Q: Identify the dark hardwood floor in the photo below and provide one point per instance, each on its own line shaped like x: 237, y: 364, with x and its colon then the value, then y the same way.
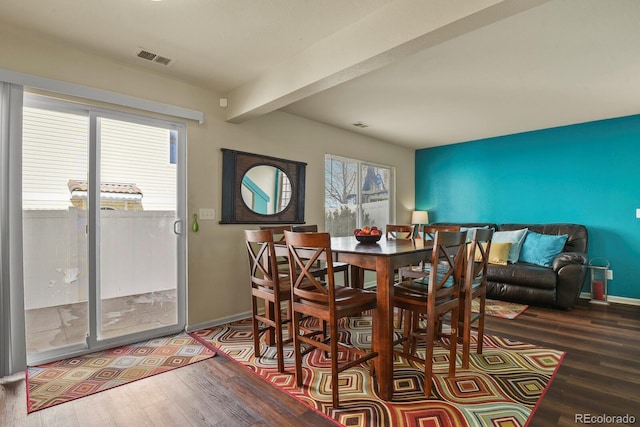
x: 600, y: 374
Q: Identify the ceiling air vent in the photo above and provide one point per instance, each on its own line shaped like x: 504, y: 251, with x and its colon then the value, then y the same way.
x: 153, y: 57
x: 360, y: 125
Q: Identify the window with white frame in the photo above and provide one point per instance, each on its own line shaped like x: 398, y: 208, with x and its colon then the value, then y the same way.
x: 285, y: 192
x: 357, y: 193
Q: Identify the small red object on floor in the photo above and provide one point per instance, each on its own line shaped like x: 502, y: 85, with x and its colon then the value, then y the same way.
x: 598, y: 290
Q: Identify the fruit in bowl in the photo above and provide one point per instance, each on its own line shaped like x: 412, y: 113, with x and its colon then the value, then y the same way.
x: 368, y: 234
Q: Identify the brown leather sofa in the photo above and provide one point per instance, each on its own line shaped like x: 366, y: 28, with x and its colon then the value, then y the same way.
x: 557, y: 286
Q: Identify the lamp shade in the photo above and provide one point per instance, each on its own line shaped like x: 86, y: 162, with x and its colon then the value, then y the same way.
x: 420, y: 217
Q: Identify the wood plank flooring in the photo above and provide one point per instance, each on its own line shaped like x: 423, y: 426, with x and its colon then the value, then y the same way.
x: 600, y: 374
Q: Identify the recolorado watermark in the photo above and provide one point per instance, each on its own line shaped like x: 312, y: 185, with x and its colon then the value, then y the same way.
x: 604, y: 419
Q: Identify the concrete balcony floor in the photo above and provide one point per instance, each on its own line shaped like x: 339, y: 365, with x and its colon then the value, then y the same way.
x: 59, y: 326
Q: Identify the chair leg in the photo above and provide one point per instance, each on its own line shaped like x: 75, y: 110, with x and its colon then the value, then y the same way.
x: 453, y: 342
x: 278, y: 330
x: 428, y: 356
x: 290, y: 320
x: 256, y: 329
x: 374, y: 322
x: 414, y: 329
x: 407, y: 329
x: 483, y: 299
x: 334, y: 364
x: 296, y: 348
x: 466, y: 329
x: 361, y: 278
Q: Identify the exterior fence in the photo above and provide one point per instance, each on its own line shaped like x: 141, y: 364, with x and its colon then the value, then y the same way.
x: 377, y: 213
x: 138, y: 252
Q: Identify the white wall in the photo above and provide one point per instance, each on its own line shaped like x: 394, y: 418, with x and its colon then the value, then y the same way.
x: 217, y: 264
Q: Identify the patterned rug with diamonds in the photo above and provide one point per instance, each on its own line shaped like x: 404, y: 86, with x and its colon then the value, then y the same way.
x: 76, y: 377
x: 502, y: 387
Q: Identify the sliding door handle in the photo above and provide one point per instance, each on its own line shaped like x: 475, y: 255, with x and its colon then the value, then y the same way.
x: 177, y: 227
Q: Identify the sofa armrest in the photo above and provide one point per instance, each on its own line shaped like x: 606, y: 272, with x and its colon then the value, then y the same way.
x: 566, y: 258
x: 571, y: 268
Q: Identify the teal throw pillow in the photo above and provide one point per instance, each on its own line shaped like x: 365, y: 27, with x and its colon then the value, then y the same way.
x: 541, y: 249
x: 515, y: 237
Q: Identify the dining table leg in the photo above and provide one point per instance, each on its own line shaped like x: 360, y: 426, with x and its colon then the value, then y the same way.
x: 383, y: 332
x: 355, y: 273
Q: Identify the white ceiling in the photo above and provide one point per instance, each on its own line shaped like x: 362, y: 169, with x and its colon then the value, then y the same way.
x: 419, y: 73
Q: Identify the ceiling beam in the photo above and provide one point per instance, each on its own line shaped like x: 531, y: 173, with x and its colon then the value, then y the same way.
x: 389, y: 34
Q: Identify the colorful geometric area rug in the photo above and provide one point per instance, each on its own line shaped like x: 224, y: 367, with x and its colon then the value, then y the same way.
x: 69, y: 379
x: 502, y: 309
x: 502, y: 387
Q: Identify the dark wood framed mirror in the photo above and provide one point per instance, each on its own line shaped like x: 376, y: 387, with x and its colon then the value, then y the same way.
x: 259, y: 189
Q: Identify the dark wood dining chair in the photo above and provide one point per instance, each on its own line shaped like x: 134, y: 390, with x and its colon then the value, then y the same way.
x: 474, y: 286
x: 321, y: 269
x: 428, y: 232
x: 400, y: 231
x: 270, y: 286
x: 325, y: 301
x: 278, y: 237
x: 427, y: 300
x: 278, y: 231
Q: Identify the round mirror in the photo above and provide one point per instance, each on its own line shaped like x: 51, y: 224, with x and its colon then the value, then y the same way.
x: 266, y: 190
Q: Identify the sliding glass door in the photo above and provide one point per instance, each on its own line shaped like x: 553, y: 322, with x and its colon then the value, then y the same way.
x: 54, y: 151
x: 104, y: 253
x: 138, y: 207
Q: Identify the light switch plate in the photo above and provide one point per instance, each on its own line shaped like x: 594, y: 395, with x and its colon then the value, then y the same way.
x: 206, y: 214
x: 638, y: 213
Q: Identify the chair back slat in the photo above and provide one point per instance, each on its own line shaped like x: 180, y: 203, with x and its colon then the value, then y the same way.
x: 477, y: 257
x: 446, y: 263
x: 278, y: 237
x: 262, y: 258
x: 305, y: 249
x: 400, y: 231
x: 429, y: 231
x: 278, y: 231
x: 307, y: 228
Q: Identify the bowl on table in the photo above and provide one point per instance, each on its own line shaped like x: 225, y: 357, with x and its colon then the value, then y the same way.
x: 368, y: 238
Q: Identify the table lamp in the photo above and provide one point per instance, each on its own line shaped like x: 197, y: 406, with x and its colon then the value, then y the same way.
x: 419, y: 218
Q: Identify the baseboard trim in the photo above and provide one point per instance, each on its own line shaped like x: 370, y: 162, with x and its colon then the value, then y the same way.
x: 614, y: 299
x: 216, y: 322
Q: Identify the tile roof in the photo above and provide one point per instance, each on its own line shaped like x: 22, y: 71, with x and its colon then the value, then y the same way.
x: 75, y: 185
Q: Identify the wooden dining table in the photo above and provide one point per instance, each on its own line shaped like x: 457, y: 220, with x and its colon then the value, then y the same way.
x: 383, y: 257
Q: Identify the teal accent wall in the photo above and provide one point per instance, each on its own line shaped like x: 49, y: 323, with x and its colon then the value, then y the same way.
x: 587, y: 174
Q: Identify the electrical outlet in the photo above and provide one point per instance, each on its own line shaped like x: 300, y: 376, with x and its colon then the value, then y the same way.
x: 207, y: 214
x: 609, y: 274
x: 638, y: 213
